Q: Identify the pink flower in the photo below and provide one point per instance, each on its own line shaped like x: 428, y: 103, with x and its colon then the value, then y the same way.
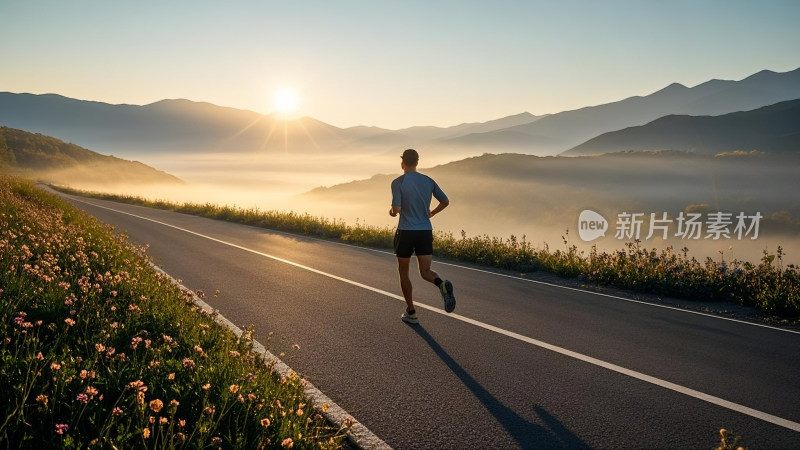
x: 61, y: 428
x: 82, y: 398
x: 69, y: 321
x: 287, y: 443
x: 117, y: 412
x: 188, y: 363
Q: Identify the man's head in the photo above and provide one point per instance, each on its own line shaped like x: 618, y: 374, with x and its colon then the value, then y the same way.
x: 410, y: 157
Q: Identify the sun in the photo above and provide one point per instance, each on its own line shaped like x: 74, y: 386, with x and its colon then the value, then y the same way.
x: 285, y: 101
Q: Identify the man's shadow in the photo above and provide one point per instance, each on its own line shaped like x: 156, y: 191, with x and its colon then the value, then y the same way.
x: 528, y: 435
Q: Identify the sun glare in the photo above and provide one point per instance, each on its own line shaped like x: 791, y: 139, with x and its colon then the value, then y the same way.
x: 285, y: 101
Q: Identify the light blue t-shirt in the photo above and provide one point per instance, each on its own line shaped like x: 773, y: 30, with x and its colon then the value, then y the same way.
x: 412, y: 192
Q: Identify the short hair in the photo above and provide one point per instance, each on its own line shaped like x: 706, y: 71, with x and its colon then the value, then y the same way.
x: 410, y: 157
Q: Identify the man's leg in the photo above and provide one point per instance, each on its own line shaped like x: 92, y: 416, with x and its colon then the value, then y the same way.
x: 425, y: 271
x: 405, y: 281
x: 445, y: 287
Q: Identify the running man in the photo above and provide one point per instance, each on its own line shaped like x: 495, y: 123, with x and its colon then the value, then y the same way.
x: 411, y: 198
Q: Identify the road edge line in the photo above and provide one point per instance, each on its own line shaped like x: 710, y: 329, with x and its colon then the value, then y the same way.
x: 358, y: 434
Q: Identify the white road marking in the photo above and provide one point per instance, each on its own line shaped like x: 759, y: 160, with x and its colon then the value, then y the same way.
x: 794, y: 426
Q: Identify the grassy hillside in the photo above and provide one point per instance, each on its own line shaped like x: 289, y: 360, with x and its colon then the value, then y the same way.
x: 99, y: 350
x: 56, y: 161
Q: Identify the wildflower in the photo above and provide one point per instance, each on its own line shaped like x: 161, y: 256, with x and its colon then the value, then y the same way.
x: 156, y: 405
x: 216, y: 440
x: 299, y: 412
x: 146, y: 433
x: 91, y: 391
x: 39, y: 356
x: 174, y: 403
x: 61, y: 428
x: 151, y: 419
x: 117, y: 412
x: 99, y: 347
x: 207, y: 386
x: 233, y: 389
x: 83, y: 374
x: 133, y: 307
x: 114, y: 325
x: 208, y: 410
x: 42, y: 399
x: 265, y: 422
x: 19, y: 320
x: 181, y: 423
x: 82, y: 398
x: 287, y: 443
x: 69, y: 321
x: 135, y: 342
x: 188, y: 363
x: 234, y: 353
x: 163, y: 421
x: 171, y: 376
x: 182, y: 437
x: 198, y: 349
x: 147, y: 343
x: 140, y: 398
x: 251, y: 396
x: 240, y: 398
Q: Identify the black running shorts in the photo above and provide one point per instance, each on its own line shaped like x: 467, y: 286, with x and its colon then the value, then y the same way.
x: 407, y: 242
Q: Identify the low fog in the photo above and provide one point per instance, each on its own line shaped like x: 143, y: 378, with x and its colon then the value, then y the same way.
x: 539, y: 198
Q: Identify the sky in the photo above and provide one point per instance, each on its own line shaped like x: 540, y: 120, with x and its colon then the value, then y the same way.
x: 391, y: 64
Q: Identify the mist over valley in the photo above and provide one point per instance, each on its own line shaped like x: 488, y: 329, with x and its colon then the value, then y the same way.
x: 721, y: 146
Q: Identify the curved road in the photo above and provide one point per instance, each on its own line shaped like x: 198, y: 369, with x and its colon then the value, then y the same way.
x: 519, y: 364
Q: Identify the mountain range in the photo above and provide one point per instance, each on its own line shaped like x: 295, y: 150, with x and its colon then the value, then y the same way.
x: 183, y: 126
x: 774, y: 128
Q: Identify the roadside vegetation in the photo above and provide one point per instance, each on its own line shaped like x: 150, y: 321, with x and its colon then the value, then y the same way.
x: 98, y: 350
x: 768, y: 285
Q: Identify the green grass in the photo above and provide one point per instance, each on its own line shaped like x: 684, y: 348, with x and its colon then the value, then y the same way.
x: 98, y: 350
x: 768, y: 285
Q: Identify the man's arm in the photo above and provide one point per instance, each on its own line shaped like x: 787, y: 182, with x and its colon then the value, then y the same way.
x: 439, y: 207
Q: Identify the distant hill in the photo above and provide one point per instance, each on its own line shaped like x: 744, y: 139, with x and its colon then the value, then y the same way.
x: 167, y: 126
x: 570, y: 128
x: 774, y: 128
x: 543, y: 196
x: 60, y: 162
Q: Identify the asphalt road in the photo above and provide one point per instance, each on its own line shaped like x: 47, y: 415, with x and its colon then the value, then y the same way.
x: 519, y: 364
